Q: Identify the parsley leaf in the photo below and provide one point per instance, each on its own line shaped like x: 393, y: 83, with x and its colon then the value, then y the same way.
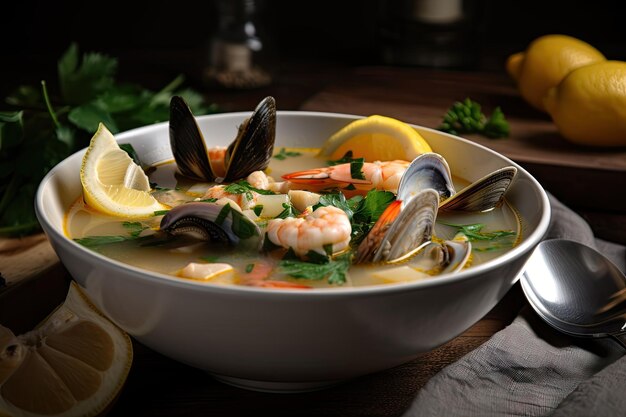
x: 474, y: 232
x: 134, y: 228
x: 334, y: 270
x: 58, y: 126
x: 345, y: 159
x: 288, y: 211
x: 284, y: 154
x: 356, y: 169
x: 244, y: 187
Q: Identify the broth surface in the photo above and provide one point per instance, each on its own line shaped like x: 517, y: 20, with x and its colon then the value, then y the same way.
x: 81, y: 222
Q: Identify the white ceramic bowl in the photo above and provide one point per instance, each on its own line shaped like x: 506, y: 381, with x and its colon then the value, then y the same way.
x: 291, y: 340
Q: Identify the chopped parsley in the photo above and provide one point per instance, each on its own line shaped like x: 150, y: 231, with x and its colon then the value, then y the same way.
x: 134, y: 228
x: 335, y: 270
x: 284, y: 154
x: 356, y: 169
x: 345, y: 159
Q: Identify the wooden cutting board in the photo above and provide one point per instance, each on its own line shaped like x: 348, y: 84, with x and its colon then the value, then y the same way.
x: 585, y: 178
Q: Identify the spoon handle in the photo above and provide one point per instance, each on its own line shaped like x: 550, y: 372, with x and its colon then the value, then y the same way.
x: 620, y: 338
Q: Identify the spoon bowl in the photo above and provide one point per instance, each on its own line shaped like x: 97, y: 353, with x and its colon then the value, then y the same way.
x: 576, y: 290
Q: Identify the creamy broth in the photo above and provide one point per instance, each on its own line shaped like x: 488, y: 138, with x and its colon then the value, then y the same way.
x: 81, y: 222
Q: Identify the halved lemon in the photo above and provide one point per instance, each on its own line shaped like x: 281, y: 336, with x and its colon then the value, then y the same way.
x: 74, y: 364
x: 376, y: 138
x: 112, y: 182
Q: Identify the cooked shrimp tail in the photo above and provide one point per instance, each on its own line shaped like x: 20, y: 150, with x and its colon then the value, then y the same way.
x: 383, y: 175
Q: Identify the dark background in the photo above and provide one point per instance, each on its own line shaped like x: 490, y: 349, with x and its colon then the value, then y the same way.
x: 157, y: 40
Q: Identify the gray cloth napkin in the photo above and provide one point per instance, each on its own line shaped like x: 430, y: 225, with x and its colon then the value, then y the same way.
x: 530, y: 369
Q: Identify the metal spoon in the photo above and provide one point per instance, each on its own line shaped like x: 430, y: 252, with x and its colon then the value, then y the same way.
x: 576, y: 290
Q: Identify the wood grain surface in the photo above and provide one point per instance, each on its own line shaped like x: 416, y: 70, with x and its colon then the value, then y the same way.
x: 418, y: 96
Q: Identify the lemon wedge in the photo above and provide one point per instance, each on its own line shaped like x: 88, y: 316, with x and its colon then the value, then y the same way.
x: 74, y: 364
x: 112, y: 182
x: 376, y: 138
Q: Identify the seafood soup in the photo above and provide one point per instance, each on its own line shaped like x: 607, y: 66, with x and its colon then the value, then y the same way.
x: 297, y: 220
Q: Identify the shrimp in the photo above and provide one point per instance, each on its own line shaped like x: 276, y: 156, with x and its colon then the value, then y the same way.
x: 380, y: 175
x: 246, y: 200
x: 217, y: 160
x: 325, y: 226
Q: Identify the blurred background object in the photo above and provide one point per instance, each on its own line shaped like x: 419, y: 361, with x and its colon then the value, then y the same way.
x: 236, y: 48
x: 155, y: 40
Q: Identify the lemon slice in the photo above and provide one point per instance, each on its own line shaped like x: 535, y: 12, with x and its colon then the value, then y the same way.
x: 112, y: 182
x: 74, y: 364
x: 376, y: 138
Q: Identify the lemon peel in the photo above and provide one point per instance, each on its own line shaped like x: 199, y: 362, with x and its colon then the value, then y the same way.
x: 588, y: 106
x: 376, y: 138
x: 112, y: 183
x: 545, y: 62
x: 74, y: 364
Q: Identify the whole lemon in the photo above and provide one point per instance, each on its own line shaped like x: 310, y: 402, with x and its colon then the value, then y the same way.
x: 545, y: 62
x: 589, y: 105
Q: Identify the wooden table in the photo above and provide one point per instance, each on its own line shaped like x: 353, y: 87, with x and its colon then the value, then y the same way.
x: 158, y: 386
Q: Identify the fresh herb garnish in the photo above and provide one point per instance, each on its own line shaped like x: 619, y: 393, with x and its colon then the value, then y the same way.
x: 204, y: 200
x: 258, y: 209
x: 338, y: 200
x: 474, y: 233
x: 367, y: 213
x: 288, y: 211
x: 467, y: 117
x: 244, y: 187
x: 95, y: 241
x: 241, y: 226
x: 59, y: 125
x: 334, y: 270
x: 345, y: 159
x: 356, y: 169
x: 284, y: 154
x: 249, y: 268
x: 134, y: 228
x: 160, y: 212
x: 363, y: 212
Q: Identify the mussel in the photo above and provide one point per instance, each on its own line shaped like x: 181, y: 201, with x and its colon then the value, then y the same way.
x: 250, y: 151
x: 218, y: 222
x: 429, y: 170
x: 401, y: 233
x: 483, y: 195
x: 425, y: 188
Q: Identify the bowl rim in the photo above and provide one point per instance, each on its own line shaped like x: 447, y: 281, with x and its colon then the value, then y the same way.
x: 97, y: 260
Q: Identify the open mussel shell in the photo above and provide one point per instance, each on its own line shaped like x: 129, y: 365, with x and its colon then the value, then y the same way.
x: 188, y: 145
x: 213, y: 222
x: 483, y: 195
x: 427, y: 171
x: 411, y: 230
x: 250, y: 151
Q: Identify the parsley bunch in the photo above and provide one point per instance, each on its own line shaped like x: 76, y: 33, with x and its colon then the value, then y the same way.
x: 467, y: 117
x: 40, y: 130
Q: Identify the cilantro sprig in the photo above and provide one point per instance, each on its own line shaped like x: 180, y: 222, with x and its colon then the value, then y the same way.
x: 466, y: 117
x: 59, y: 124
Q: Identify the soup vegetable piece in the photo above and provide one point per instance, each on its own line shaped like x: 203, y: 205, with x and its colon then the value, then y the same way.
x: 289, y: 218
